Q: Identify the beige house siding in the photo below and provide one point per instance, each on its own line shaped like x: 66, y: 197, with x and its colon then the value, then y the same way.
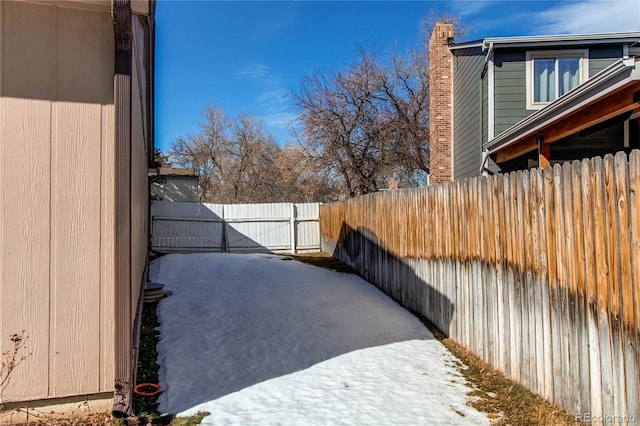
x: 57, y: 197
x: 107, y: 248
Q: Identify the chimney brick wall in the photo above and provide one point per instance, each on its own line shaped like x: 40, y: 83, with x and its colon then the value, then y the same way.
x: 441, y: 103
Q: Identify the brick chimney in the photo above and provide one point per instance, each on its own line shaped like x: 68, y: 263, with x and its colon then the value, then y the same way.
x: 441, y: 103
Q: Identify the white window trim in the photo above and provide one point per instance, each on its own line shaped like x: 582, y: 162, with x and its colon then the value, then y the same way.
x: 553, y: 54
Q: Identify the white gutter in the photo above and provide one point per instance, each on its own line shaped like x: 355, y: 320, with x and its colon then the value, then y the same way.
x: 608, y: 80
x: 565, y: 40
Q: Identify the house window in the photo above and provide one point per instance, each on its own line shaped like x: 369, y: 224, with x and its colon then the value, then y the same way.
x: 552, y: 74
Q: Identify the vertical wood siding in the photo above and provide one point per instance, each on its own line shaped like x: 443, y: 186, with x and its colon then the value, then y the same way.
x: 537, y: 272
x: 56, y: 137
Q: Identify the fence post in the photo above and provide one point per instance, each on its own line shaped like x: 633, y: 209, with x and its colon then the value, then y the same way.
x: 224, y: 244
x: 293, y: 228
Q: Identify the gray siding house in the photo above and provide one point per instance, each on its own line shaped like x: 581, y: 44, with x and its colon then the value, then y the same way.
x: 174, y: 184
x: 522, y: 102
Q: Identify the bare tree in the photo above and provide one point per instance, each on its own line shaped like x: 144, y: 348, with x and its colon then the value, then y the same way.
x: 368, y: 124
x: 300, y: 179
x: 239, y: 162
x: 204, y: 151
x: 406, y: 89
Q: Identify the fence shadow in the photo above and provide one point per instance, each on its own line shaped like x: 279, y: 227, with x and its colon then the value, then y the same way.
x: 361, y: 249
x: 190, y: 227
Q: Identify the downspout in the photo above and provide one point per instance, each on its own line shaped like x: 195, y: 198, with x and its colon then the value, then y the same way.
x: 149, y: 34
x: 151, y: 40
x: 483, y: 167
x: 484, y: 152
x: 488, y: 55
x: 121, y: 13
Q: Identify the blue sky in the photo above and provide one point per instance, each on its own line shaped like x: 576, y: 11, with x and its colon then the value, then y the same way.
x: 247, y: 57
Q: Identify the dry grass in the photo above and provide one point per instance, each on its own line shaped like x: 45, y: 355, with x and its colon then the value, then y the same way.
x: 101, y: 419
x: 504, y: 401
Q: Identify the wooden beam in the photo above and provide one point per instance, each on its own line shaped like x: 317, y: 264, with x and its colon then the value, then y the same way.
x: 544, y: 157
x: 612, y: 105
x: 517, y: 149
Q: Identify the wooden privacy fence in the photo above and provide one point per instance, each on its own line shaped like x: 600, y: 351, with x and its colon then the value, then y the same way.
x: 537, y: 272
x: 275, y: 227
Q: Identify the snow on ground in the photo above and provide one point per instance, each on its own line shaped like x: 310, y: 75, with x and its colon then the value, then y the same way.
x: 258, y: 340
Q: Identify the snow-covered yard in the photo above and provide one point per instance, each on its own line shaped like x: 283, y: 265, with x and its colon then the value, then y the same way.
x: 258, y: 340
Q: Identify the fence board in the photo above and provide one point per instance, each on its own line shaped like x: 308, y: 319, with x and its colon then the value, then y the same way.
x: 604, y: 332
x: 502, y: 333
x: 580, y: 313
x: 572, y: 324
x: 634, y: 216
x: 528, y: 329
x: 545, y: 360
x: 489, y: 272
x: 555, y: 364
x: 537, y: 272
x: 514, y: 343
x: 519, y: 309
x: 628, y: 325
x: 535, y: 299
x: 591, y: 302
x: 614, y: 290
x: 562, y: 308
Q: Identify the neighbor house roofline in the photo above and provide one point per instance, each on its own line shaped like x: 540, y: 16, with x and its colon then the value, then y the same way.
x: 562, y: 40
x: 175, y: 172
x: 621, y: 74
x: 467, y: 44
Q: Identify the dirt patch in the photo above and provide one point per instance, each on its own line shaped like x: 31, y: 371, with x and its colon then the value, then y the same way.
x: 505, y: 401
x: 147, y: 358
x: 324, y: 260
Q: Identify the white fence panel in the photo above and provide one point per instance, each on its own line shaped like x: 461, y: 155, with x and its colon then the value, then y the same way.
x: 308, y: 226
x: 252, y: 227
x: 271, y: 227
